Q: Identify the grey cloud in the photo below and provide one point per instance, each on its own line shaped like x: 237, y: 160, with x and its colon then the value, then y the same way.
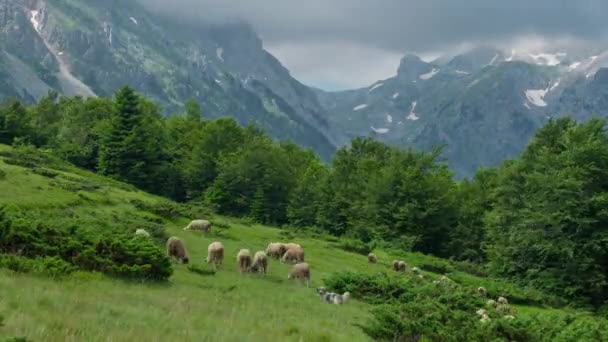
x: 351, y: 43
x: 401, y: 25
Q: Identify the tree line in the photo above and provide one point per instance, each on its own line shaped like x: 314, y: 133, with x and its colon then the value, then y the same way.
x: 540, y: 219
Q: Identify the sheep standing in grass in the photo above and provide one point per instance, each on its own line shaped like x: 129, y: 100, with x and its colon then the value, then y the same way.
x: 300, y: 272
x: 202, y: 225
x: 502, y: 300
x: 294, y: 255
x: 176, y: 250
x: 142, y: 233
x: 215, y: 254
x: 372, y: 258
x: 402, y: 266
x: 482, y: 291
x: 276, y: 250
x: 492, y: 303
x: 292, y: 245
x: 243, y: 259
x: 396, y: 265
x: 416, y: 270
x: 260, y: 263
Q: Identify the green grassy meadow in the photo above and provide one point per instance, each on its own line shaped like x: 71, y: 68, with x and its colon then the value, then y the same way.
x: 225, y: 306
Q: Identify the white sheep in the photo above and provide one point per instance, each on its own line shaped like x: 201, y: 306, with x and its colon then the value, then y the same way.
x: 215, y: 254
x: 142, y: 233
x: 243, y: 259
x: 300, y: 271
x: 202, y: 225
x: 260, y: 263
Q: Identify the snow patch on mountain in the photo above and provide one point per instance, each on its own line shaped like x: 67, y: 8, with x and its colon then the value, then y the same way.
x: 134, y: 20
x: 380, y: 130
x: 510, y: 58
x: 429, y: 75
x: 389, y: 118
x: 375, y: 86
x: 536, y: 96
x: 36, y: 20
x: 555, y: 85
x: 359, y: 107
x: 219, y: 52
x: 493, y: 60
x: 574, y: 65
x: 547, y: 58
x: 413, y: 116
x: 461, y: 72
x: 395, y: 95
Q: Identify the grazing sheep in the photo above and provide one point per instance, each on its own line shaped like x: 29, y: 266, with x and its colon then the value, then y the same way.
x: 482, y: 291
x: 294, y: 255
x: 292, y: 245
x: 402, y: 266
x: 481, y: 312
x: 176, y: 250
x: 502, y: 300
x: 142, y: 233
x: 396, y: 265
x: 260, y: 263
x: 202, y: 225
x: 416, y: 270
x: 492, y: 303
x: 215, y: 254
x: 321, y: 291
x: 300, y: 271
x: 504, y: 309
x: 243, y: 259
x: 421, y: 276
x: 509, y: 317
x: 276, y: 250
x: 485, y: 318
x: 372, y: 258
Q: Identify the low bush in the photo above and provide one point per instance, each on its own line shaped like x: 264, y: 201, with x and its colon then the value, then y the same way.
x: 201, y: 270
x: 354, y: 246
x: 45, y: 172
x: 3, y: 174
x: 410, y: 309
x: 51, y: 250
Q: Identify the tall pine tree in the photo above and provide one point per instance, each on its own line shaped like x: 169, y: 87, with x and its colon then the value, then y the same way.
x: 116, y: 158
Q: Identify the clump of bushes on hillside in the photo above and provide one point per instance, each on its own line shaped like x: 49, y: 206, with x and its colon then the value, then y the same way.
x: 354, y: 246
x: 411, y: 309
x: 28, y: 245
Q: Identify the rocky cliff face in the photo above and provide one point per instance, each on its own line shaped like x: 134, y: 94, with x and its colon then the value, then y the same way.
x: 93, y: 47
x: 483, y: 105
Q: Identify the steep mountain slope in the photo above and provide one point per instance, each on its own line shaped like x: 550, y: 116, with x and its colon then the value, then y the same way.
x: 94, y: 47
x: 483, y: 105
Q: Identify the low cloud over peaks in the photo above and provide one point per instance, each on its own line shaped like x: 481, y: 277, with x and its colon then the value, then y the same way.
x: 395, y: 27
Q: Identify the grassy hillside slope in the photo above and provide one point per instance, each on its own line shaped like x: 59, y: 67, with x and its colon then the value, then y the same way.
x: 225, y: 306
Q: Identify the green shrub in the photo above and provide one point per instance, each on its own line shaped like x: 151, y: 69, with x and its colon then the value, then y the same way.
x: 194, y: 268
x: 354, y: 246
x: 2, y: 174
x: 436, y: 266
x: 124, y: 257
x: 45, y: 172
x: 109, y: 250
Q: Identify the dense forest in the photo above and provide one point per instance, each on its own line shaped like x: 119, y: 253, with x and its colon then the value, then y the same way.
x: 540, y: 220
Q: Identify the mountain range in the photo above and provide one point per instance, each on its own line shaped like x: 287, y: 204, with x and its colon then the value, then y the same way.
x: 483, y: 104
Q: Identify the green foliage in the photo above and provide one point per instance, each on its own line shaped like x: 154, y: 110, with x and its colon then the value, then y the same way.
x: 55, y: 250
x: 3, y: 174
x: 547, y: 225
x: 354, y: 245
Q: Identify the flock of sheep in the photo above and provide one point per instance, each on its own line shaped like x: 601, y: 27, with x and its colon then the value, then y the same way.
x: 286, y: 252
x: 294, y: 253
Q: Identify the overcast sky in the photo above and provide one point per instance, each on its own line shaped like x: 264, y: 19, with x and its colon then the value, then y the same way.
x: 351, y: 43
